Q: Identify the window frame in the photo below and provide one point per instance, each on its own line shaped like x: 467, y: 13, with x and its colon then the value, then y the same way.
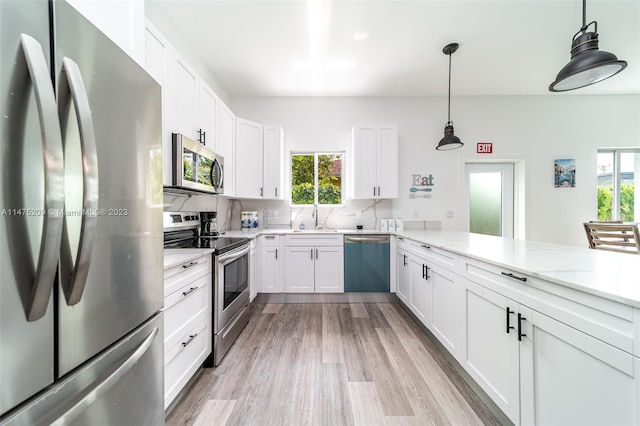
x: 615, y: 178
x: 315, y: 178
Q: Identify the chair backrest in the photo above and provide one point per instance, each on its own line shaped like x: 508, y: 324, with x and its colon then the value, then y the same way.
x: 613, y: 236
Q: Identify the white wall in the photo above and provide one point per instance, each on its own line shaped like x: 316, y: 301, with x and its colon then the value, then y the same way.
x: 536, y: 130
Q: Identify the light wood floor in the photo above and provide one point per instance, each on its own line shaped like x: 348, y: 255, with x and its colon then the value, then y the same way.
x: 331, y: 364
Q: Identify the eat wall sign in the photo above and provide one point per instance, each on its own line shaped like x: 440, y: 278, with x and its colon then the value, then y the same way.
x: 484, y: 148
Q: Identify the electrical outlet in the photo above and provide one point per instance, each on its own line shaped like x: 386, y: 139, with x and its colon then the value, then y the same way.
x: 449, y: 214
x: 415, y: 214
x: 358, y: 214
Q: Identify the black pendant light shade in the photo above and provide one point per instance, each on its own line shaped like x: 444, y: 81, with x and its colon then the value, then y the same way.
x: 449, y: 141
x: 588, y: 64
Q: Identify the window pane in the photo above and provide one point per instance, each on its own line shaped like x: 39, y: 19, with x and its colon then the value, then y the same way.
x: 329, y: 179
x: 605, y: 185
x: 302, y: 179
x: 485, y: 203
x: 629, y: 176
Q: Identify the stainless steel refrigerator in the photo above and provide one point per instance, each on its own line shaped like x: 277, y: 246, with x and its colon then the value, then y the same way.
x: 80, y: 224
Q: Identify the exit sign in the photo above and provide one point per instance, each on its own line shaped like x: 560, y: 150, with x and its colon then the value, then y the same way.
x: 484, y: 148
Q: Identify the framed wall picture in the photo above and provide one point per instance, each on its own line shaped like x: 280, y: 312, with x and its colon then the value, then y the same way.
x: 565, y: 173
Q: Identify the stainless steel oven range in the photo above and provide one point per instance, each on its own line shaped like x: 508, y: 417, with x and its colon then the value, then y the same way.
x: 230, y: 297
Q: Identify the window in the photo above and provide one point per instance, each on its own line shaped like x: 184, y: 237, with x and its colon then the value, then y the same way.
x: 618, y: 178
x: 316, y: 178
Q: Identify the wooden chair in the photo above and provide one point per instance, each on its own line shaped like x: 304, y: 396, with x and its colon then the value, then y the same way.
x: 613, y: 236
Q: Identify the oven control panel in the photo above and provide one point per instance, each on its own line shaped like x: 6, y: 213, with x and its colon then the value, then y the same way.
x: 172, y: 221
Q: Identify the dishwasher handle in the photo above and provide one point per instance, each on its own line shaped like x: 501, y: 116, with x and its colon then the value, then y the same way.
x: 350, y: 239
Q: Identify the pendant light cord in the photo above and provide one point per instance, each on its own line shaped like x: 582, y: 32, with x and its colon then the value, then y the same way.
x: 584, y: 16
x: 449, y: 98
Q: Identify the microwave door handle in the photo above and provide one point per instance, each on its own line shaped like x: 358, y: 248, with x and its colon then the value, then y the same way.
x: 220, y: 174
x: 227, y: 258
x: 37, y: 298
x: 74, y: 276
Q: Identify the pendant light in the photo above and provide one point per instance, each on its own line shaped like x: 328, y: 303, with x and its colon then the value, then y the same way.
x: 449, y: 141
x: 588, y: 65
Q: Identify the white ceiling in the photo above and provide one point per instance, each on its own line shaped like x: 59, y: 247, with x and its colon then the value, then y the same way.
x: 508, y: 47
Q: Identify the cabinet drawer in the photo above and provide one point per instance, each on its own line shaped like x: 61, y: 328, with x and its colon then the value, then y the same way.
x: 441, y: 257
x: 270, y: 240
x: 403, y: 243
x: 184, y: 358
x: 314, y: 240
x: 184, y: 305
x: 604, y: 319
x: 177, y: 277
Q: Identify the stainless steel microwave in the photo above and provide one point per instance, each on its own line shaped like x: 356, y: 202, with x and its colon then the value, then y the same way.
x: 195, y: 167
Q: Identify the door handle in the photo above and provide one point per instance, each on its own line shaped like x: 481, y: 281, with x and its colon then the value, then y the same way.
x: 36, y: 299
x: 426, y: 277
x: 311, y: 252
x: 276, y: 254
x: 276, y: 192
x: 509, y: 327
x: 424, y: 274
x: 374, y: 191
x: 520, y: 333
x: 74, y: 276
x: 316, y: 254
x: 404, y: 260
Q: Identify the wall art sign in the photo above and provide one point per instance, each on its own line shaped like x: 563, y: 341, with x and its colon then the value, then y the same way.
x: 565, y: 173
x: 484, y: 148
x: 421, y: 186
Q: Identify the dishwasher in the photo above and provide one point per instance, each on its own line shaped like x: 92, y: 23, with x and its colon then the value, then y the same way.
x: 366, y: 263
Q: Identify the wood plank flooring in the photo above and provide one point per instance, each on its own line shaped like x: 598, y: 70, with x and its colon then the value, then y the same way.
x: 331, y: 364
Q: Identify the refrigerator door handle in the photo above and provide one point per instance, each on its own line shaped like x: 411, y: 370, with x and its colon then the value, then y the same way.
x: 48, y: 256
x: 74, y: 274
x: 100, y: 389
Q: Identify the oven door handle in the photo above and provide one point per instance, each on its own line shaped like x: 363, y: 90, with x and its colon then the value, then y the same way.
x: 227, y: 258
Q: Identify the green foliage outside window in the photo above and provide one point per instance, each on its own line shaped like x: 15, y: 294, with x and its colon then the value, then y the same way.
x: 303, y: 178
x: 605, y: 203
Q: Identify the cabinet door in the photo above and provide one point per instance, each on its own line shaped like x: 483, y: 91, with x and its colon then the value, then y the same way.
x: 403, y: 276
x: 420, y: 291
x: 364, y: 162
x: 299, y: 272
x: 206, y: 123
x: 182, y: 99
x: 253, y: 289
x: 248, y: 159
x: 568, y: 377
x: 226, y: 145
x: 271, y: 276
x: 273, y: 162
x: 492, y: 355
x: 387, y: 166
x: 329, y: 269
x: 448, y: 310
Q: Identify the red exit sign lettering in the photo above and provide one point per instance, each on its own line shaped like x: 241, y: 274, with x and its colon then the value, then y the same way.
x: 484, y: 148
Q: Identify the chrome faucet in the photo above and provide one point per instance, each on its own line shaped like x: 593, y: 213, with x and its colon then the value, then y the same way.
x: 314, y: 214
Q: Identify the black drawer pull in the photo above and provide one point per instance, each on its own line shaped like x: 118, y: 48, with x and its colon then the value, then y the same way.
x: 510, y: 275
x: 191, y: 290
x: 189, y: 265
x: 191, y: 337
x: 425, y: 246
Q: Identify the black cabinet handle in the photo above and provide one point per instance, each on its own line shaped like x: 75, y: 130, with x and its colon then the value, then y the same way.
x: 261, y: 192
x: 374, y: 191
x: 423, y: 272
x: 191, y: 290
x: 276, y: 192
x: 520, y: 333
x: 426, y: 277
x: 190, y: 265
x: 311, y: 251
x: 425, y: 246
x: 189, y: 340
x: 404, y: 260
x: 378, y: 191
x: 510, y: 275
x: 276, y: 254
x: 509, y: 312
x: 316, y: 253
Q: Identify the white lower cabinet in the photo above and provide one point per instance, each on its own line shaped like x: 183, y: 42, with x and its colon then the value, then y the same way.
x: 314, y: 264
x: 419, y: 290
x: 187, y: 323
x: 271, y: 255
x: 403, y: 278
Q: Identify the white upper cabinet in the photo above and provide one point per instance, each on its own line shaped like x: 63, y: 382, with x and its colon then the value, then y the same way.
x: 374, y: 154
x: 206, y: 124
x: 122, y: 21
x: 273, y: 178
x: 226, y: 145
x: 259, y: 160
x: 249, y: 159
x: 182, y: 92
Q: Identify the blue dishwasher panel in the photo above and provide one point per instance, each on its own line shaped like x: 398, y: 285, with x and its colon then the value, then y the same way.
x: 366, y: 266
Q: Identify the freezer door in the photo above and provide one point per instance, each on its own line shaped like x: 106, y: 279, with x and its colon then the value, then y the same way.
x: 122, y: 386
x: 30, y: 155
x: 111, y: 257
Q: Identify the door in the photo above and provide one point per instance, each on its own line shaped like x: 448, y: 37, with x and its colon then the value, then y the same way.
x: 299, y: 271
x: 249, y: 155
x: 490, y: 198
x: 568, y: 377
x: 492, y: 350
x: 26, y: 308
x: 329, y: 269
x: 420, y: 291
x: 110, y: 268
x: 403, y: 276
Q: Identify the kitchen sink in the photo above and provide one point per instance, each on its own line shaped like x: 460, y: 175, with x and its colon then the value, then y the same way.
x: 313, y: 231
